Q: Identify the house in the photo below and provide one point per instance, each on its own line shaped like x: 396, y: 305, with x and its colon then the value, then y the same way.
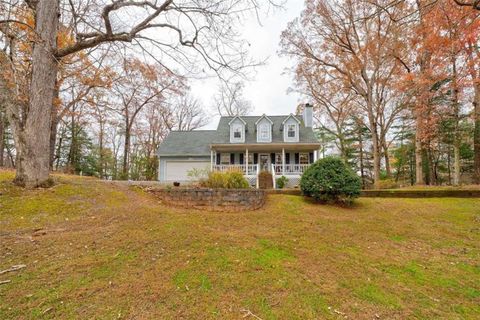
x: 281, y: 144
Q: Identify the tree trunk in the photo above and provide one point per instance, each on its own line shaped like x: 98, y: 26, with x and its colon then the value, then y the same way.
x: 419, y: 179
x: 54, y: 129
x: 375, y: 136
x: 476, y: 136
x: 2, y: 139
x: 126, y: 151
x: 101, y: 151
x: 456, y: 119
x: 425, y: 57
x: 430, y: 172
x: 33, y: 161
x: 387, y: 159
x: 456, y: 164
x: 53, y: 140
x: 59, y: 150
x: 72, y: 154
x: 360, y: 145
x: 376, y: 158
x: 449, y: 164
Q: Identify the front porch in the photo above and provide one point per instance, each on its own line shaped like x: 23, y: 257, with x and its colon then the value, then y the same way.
x: 288, y: 160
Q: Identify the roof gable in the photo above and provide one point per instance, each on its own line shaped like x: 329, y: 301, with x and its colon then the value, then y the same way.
x: 235, y: 118
x: 291, y: 116
x: 264, y: 116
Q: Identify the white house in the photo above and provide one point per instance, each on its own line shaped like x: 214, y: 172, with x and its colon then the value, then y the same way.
x: 281, y: 144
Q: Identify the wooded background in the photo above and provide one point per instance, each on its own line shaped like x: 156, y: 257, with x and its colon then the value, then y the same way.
x: 93, y: 86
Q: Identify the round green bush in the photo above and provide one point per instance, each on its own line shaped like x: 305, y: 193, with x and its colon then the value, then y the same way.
x: 330, y: 180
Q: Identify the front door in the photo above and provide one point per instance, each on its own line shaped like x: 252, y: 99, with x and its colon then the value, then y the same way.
x: 264, y: 161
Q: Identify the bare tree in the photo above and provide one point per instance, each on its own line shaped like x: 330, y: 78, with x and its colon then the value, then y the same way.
x: 352, y: 51
x: 183, y: 36
x: 333, y: 104
x: 184, y: 114
x: 229, y: 100
x: 138, y: 86
x: 3, y: 128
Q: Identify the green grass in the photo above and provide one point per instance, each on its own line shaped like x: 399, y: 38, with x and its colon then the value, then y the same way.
x: 372, y: 294
x: 108, y: 252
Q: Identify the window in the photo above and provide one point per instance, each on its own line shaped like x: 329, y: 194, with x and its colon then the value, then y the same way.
x: 237, y: 132
x: 250, y: 158
x: 265, y: 132
x: 225, y: 158
x: 291, y: 131
x: 304, y: 158
x: 278, y: 158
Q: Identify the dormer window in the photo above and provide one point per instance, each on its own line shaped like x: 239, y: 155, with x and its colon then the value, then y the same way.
x: 237, y: 130
x: 265, y: 131
x: 291, y: 130
x: 291, y: 126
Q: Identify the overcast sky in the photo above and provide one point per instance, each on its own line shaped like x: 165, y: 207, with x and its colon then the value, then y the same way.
x: 268, y: 89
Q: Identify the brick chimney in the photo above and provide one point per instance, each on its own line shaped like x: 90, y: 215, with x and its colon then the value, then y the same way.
x: 308, y: 115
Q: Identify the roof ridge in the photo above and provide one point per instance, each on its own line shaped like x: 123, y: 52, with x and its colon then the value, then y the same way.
x: 194, y: 130
x: 257, y: 116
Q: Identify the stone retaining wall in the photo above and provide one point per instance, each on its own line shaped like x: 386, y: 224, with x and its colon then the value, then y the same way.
x: 211, y: 199
x: 421, y: 193
x: 399, y: 193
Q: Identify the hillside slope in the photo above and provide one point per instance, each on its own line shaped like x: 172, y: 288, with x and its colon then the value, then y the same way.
x: 93, y: 249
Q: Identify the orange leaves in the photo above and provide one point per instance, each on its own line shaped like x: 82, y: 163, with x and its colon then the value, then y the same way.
x: 65, y: 38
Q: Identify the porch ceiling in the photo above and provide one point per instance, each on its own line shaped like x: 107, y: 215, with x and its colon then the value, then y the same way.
x: 270, y: 147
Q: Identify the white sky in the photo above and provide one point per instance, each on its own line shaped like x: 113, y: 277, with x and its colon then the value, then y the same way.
x: 268, y: 89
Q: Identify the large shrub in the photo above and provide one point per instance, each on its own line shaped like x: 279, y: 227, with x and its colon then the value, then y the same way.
x: 225, y: 180
x: 330, y: 180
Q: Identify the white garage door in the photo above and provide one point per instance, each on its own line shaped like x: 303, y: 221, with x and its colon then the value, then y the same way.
x: 177, y: 170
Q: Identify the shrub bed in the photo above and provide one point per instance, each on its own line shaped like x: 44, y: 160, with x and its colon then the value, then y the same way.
x: 225, y: 180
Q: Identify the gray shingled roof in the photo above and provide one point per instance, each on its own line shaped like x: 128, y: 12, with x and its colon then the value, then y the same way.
x: 195, y: 143
x: 187, y: 143
x: 223, y: 129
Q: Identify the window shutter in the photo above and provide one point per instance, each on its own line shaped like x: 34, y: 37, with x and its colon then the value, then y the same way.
x: 297, y: 158
x: 241, y: 158
x: 232, y: 158
x: 272, y: 158
x: 287, y: 158
x: 255, y: 158
x: 311, y: 157
x: 218, y: 158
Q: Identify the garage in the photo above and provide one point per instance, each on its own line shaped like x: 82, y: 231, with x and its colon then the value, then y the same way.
x: 178, y: 170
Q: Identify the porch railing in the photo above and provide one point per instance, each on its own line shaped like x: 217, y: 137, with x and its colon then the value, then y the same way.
x: 290, y: 169
x: 278, y: 169
x: 251, y: 169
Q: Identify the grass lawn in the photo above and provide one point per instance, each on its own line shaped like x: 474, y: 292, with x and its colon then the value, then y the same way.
x: 103, y: 251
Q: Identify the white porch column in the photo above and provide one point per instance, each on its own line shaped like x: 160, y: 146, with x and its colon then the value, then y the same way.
x: 246, y: 161
x: 211, y: 160
x: 283, y: 161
